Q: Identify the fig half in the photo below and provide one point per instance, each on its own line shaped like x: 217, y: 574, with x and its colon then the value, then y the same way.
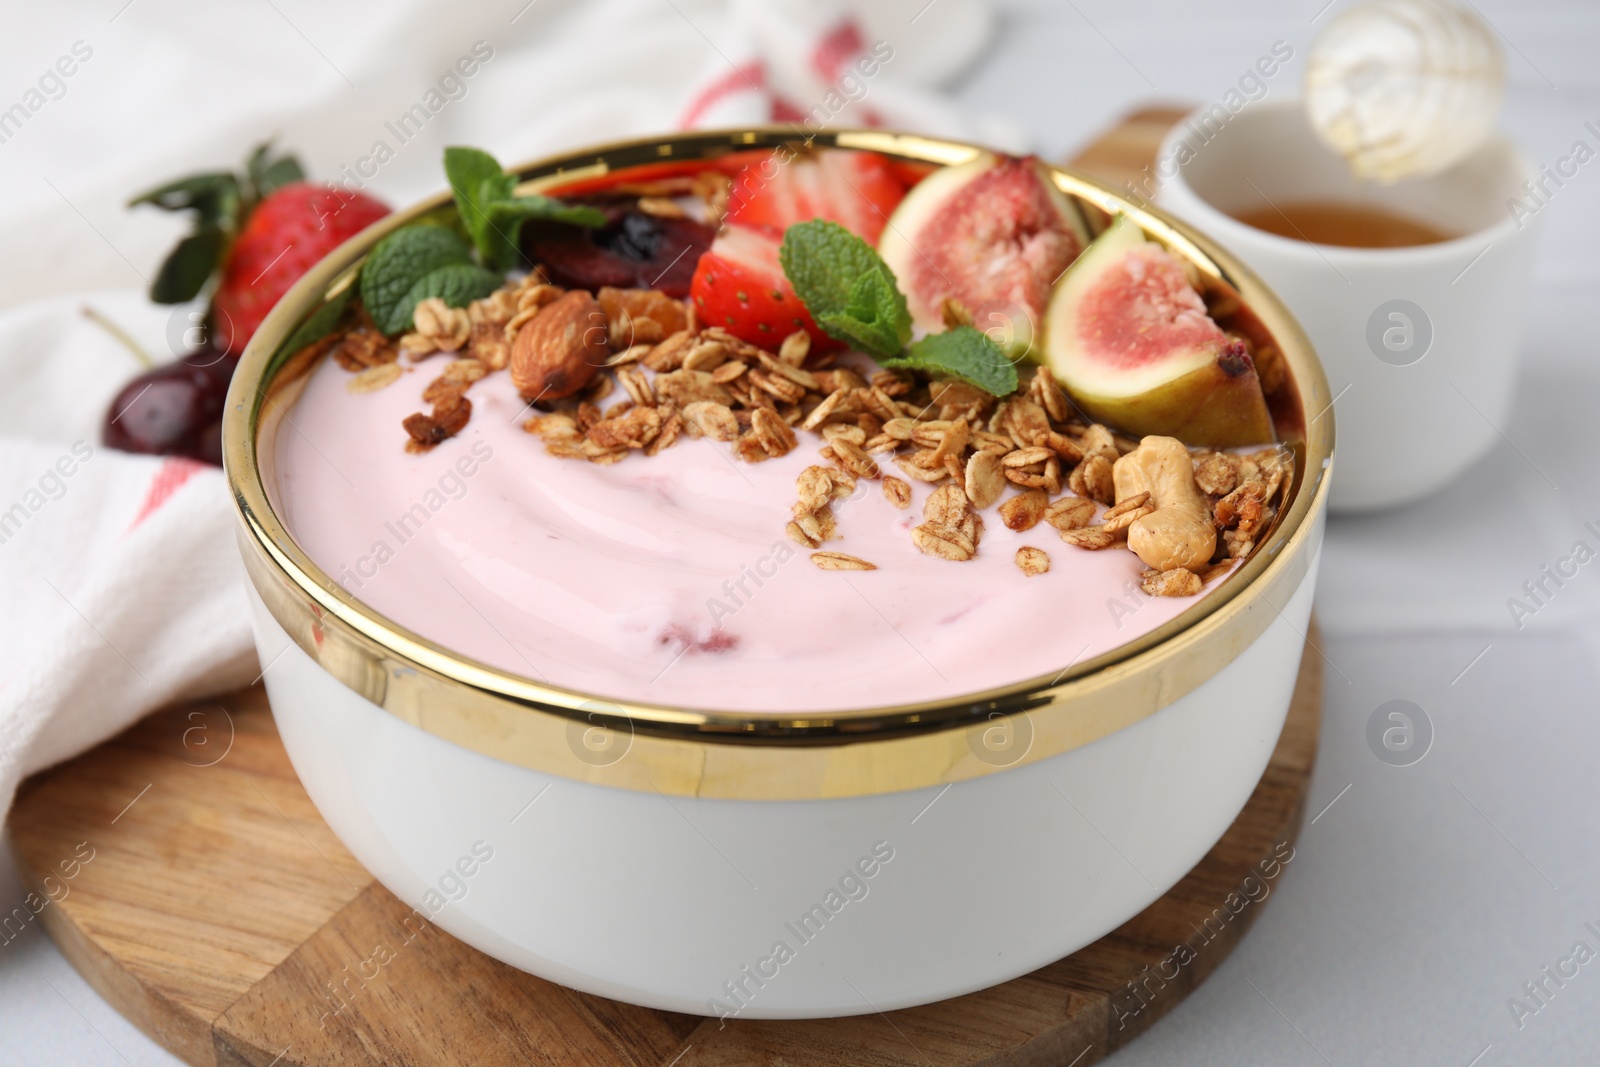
x: 1128, y: 337
x: 992, y: 234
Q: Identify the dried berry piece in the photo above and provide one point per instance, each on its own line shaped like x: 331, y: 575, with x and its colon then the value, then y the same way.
x: 428, y: 430
x: 633, y: 250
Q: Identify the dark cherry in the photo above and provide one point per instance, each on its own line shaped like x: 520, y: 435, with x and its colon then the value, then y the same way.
x: 632, y: 251
x: 173, y: 410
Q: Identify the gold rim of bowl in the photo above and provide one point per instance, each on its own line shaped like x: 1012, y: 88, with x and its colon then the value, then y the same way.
x: 754, y: 755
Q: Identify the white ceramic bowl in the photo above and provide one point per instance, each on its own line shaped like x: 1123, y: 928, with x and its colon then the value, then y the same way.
x: 749, y: 865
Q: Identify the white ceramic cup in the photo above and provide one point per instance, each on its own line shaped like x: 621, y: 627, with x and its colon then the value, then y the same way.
x: 1419, y: 343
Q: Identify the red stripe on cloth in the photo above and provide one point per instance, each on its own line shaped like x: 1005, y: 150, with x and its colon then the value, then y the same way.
x: 169, y: 478
x: 837, y: 47
x: 751, y: 76
x: 785, y: 111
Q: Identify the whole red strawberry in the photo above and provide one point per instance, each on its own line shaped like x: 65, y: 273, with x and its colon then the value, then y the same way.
x: 255, y: 234
x: 285, y: 236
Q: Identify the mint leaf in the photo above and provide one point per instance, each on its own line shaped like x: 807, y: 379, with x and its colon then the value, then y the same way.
x: 505, y: 219
x: 398, y: 263
x: 852, y: 294
x: 871, y: 321
x: 492, y: 215
x: 517, y: 210
x: 964, y: 353
x: 457, y: 284
x: 824, y: 261
x: 477, y: 180
x: 319, y: 324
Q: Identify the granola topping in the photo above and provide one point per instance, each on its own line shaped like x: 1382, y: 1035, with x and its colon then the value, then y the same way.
x: 1028, y: 456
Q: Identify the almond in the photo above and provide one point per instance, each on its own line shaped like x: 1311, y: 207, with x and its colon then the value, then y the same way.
x: 558, y: 352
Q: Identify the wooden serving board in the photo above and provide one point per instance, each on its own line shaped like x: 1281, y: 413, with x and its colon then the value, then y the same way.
x: 216, y: 909
x: 207, y: 900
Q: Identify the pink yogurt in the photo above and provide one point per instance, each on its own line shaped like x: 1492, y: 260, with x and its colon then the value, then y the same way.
x: 668, y: 579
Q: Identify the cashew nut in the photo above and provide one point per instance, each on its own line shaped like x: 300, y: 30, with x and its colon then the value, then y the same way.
x: 1179, y: 533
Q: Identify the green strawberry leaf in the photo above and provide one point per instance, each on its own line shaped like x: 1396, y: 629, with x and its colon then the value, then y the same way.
x: 268, y: 173
x: 825, y: 262
x: 319, y: 324
x: 457, y: 284
x: 221, y: 202
x: 184, y: 193
x: 184, y: 272
x: 873, y: 320
x: 398, y: 263
x: 964, y: 353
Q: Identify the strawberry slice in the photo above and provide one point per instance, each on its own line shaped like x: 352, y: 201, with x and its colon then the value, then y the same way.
x: 858, y: 190
x: 739, y: 285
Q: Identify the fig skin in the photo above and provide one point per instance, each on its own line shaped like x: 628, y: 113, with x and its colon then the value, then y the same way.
x: 1203, y: 391
x: 1219, y: 405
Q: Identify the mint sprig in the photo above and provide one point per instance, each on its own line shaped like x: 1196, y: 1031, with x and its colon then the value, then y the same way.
x: 848, y: 288
x: 964, y: 353
x: 853, y: 296
x: 874, y: 320
x: 399, y: 263
x: 457, y: 284
x: 423, y: 260
x: 491, y: 212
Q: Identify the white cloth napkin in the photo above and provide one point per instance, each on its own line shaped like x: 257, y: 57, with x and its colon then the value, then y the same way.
x: 119, y: 579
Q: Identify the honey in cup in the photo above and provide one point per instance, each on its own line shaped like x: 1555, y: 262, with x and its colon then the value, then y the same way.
x: 1342, y: 223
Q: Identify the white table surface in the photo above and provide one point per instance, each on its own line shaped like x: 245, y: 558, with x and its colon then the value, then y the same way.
x: 1422, y: 897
